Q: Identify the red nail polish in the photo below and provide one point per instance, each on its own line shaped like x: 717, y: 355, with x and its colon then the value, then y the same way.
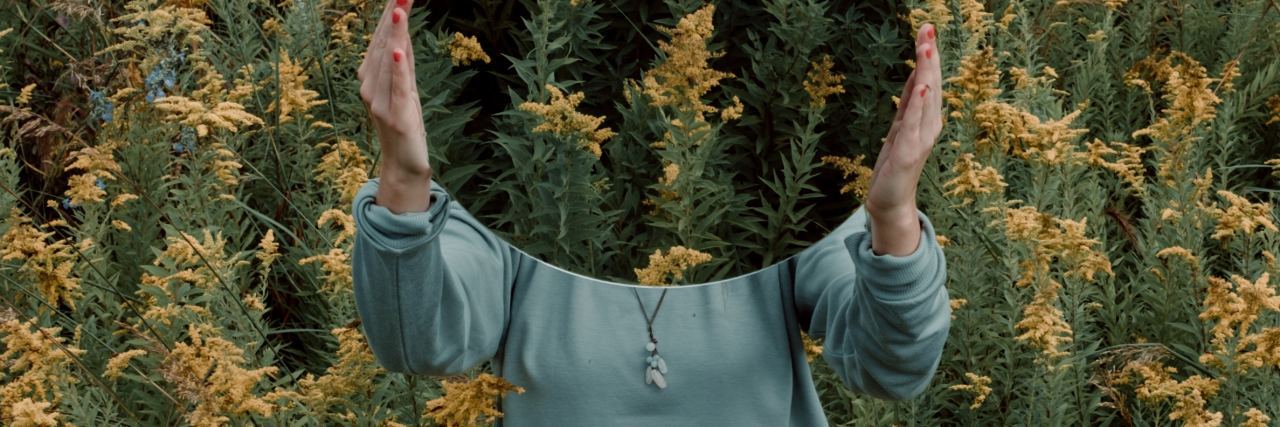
x: 395, y: 56
x: 928, y: 52
x: 922, y: 91
x: 395, y: 17
x: 931, y: 34
x: 402, y: 2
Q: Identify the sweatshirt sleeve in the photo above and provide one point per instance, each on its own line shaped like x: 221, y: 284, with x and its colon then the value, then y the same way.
x: 432, y: 288
x: 884, y: 318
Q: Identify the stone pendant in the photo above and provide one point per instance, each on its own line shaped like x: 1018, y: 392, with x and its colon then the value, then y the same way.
x: 655, y: 372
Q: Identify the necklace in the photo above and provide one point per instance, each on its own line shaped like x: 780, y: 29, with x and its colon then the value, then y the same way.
x: 656, y: 368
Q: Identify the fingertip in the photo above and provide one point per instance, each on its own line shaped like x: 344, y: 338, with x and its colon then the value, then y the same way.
x: 397, y: 54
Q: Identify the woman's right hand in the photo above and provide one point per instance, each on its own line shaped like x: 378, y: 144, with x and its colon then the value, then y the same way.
x: 389, y: 90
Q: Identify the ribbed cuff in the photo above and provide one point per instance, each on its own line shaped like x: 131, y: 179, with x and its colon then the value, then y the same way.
x: 894, y: 277
x: 399, y: 232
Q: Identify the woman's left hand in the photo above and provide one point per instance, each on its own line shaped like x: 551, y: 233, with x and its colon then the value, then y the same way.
x: 891, y: 199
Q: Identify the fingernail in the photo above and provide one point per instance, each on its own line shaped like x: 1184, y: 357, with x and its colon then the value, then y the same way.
x: 931, y: 33
x: 928, y: 52
x: 923, y: 90
x: 402, y: 2
x: 395, y: 56
x: 395, y: 16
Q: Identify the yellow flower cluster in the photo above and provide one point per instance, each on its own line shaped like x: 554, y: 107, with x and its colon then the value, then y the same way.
x: 465, y: 49
x: 1127, y: 165
x: 1241, y: 217
x: 48, y: 263
x: 117, y: 363
x: 295, y: 99
x: 861, y: 184
x: 337, y: 262
x: 1191, y: 102
x: 976, y: 81
x: 35, y: 365
x: 1255, y: 418
x: 979, y: 386
x: 226, y: 169
x: 95, y: 163
x: 1234, y: 312
x: 667, y: 269
x: 973, y: 178
x: 30, y: 413
x: 24, y: 95
x: 1023, y: 134
x: 560, y: 117
x: 470, y: 403
x: 1052, y: 239
x: 812, y: 347
x: 351, y: 374
x: 225, y: 115
x: 976, y: 22
x: 1180, y: 252
x: 820, y: 82
x: 936, y: 12
x: 1274, y: 104
x: 147, y: 23
x: 1042, y: 323
x: 1189, y: 396
x: 200, y: 262
x: 685, y: 75
x: 209, y: 372
x: 343, y: 169
x: 268, y: 251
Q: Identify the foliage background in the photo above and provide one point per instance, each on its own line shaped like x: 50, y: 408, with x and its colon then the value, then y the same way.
x: 176, y: 177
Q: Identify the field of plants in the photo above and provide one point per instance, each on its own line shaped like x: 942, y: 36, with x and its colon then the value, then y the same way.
x: 176, y: 179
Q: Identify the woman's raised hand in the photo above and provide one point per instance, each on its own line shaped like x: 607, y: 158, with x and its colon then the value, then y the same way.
x: 891, y: 199
x: 389, y: 90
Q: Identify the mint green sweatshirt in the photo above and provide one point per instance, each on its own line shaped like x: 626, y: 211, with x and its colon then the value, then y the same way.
x: 438, y: 293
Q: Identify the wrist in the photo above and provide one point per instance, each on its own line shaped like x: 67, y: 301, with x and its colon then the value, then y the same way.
x: 894, y: 231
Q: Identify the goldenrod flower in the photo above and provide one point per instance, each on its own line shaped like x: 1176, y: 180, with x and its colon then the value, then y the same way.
x: 1189, y: 396
x: 976, y: 22
x: 295, y: 98
x: 120, y: 361
x: 861, y: 183
x: 685, y: 75
x: 1255, y: 418
x: 1241, y: 217
x: 98, y: 165
x: 30, y: 413
x: 973, y: 178
x: 979, y: 386
x: 24, y: 96
x: 666, y: 269
x: 1265, y: 349
x: 48, y: 264
x: 470, y: 403
x: 1180, y: 252
x: 354, y: 370
x: 228, y: 116
x: 936, y: 12
x: 465, y: 49
x: 210, y: 373
x: 560, y: 117
x: 733, y: 111
x: 1273, y: 103
x: 812, y: 347
x: 343, y: 168
x: 1128, y: 164
x: 976, y: 81
x: 820, y: 82
x: 35, y: 366
x: 1042, y: 323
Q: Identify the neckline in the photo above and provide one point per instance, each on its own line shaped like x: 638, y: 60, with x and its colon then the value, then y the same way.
x: 597, y: 281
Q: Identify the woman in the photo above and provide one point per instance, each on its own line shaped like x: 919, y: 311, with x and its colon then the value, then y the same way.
x: 439, y: 293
